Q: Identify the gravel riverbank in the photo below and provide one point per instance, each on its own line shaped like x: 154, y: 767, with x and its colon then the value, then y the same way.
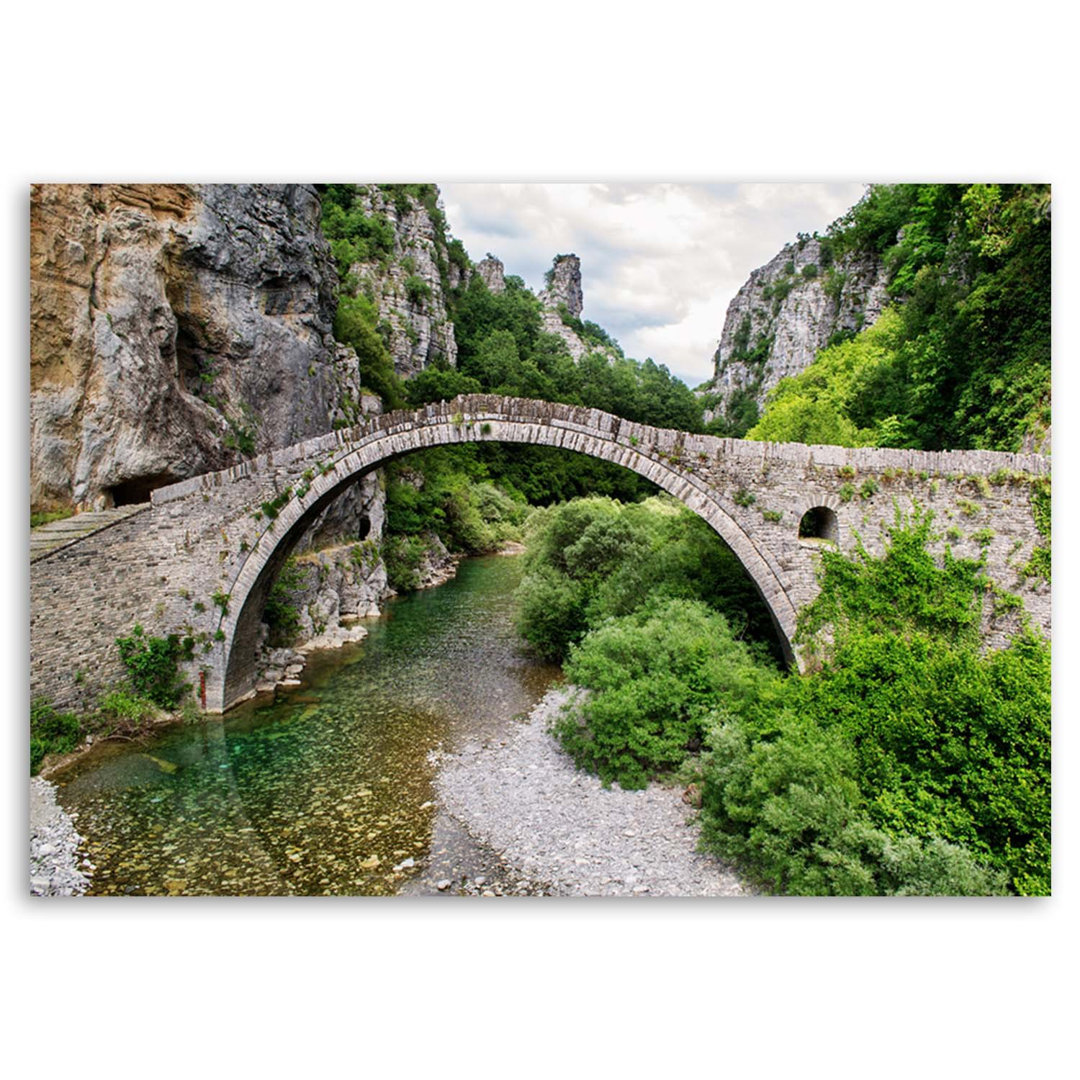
x: 525, y: 798
x: 54, y: 846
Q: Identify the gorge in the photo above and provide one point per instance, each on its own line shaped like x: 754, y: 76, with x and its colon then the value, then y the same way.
x: 298, y: 399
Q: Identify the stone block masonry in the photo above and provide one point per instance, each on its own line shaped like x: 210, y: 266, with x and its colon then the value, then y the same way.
x: 200, y: 561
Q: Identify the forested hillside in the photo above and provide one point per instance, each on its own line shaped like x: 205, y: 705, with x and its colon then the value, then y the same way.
x: 962, y: 357
x: 462, y: 493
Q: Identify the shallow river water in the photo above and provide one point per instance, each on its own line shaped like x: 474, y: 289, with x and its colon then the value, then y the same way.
x: 330, y: 788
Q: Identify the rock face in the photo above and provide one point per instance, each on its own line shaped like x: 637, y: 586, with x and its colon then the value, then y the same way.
x: 561, y: 304
x: 564, y: 285
x: 789, y: 309
x: 174, y: 328
x: 408, y: 287
x: 491, y: 270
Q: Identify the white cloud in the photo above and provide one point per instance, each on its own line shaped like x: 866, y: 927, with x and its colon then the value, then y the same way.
x: 659, y: 262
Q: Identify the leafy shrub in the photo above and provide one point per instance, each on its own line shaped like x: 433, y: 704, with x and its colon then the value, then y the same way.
x: 122, y: 710
x: 151, y: 664
x: 551, y: 612
x: 51, y: 732
x: 417, y: 289
x: 403, y: 556
x: 784, y: 803
x: 654, y: 676
x: 909, y: 761
x: 280, y: 612
x: 590, y: 559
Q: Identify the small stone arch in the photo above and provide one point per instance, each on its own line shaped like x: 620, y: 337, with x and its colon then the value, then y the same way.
x: 584, y: 431
x: 820, y: 523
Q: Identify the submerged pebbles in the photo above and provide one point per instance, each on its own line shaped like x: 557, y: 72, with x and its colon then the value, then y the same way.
x: 525, y: 798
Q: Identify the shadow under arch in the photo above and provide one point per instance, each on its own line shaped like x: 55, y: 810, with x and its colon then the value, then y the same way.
x: 477, y: 418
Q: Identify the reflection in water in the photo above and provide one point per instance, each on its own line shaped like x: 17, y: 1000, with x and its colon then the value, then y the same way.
x: 329, y: 790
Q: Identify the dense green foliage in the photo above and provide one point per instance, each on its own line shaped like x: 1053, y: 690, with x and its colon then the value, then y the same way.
x: 839, y: 399
x: 592, y: 559
x: 51, y: 732
x: 280, y: 613
x: 906, y: 734
x: 355, y: 236
x: 447, y: 492
x: 905, y: 761
x: 783, y: 801
x: 356, y: 324
x: 151, y: 664
x: 964, y: 360
x: 655, y: 676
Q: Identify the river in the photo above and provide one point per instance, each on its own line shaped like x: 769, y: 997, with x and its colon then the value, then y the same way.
x: 328, y: 790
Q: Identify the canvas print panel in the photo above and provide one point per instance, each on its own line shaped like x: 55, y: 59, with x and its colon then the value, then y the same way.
x: 521, y: 539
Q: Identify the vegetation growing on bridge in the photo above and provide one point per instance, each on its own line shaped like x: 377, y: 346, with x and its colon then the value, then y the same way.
x: 153, y: 683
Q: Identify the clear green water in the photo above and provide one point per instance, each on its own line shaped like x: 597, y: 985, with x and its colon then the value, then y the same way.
x: 329, y: 789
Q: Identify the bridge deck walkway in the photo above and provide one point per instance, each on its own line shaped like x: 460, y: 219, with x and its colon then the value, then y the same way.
x: 46, y: 539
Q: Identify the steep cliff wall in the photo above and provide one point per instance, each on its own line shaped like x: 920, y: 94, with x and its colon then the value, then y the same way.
x: 493, y: 274
x: 561, y: 302
x: 789, y: 309
x: 174, y: 329
x: 409, y: 286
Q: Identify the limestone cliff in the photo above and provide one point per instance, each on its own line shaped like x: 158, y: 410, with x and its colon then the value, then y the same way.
x: 409, y: 287
x: 178, y: 328
x: 789, y: 309
x: 561, y: 303
x: 174, y: 329
x: 493, y: 274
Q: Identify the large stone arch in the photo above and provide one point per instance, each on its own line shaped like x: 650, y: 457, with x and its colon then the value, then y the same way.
x: 585, y: 431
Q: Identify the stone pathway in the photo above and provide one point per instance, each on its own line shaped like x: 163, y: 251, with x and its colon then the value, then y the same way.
x: 46, y: 539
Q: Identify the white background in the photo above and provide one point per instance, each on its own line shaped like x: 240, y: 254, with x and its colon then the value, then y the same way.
x: 836, y: 91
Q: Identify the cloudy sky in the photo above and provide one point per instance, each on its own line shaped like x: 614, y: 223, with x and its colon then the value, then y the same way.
x: 659, y: 262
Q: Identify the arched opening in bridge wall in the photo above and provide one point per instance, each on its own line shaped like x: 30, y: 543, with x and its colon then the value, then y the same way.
x: 820, y: 523
x: 256, y: 576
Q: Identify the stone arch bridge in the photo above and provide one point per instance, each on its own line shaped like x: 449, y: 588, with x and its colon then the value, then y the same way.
x: 199, y: 559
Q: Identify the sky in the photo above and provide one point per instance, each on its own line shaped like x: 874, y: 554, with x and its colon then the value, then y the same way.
x: 659, y: 262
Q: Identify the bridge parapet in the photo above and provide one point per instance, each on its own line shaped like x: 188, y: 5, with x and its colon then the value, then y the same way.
x: 478, y: 408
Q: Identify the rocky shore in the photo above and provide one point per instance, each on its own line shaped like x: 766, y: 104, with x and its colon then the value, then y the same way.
x: 524, y: 798
x: 55, y: 868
